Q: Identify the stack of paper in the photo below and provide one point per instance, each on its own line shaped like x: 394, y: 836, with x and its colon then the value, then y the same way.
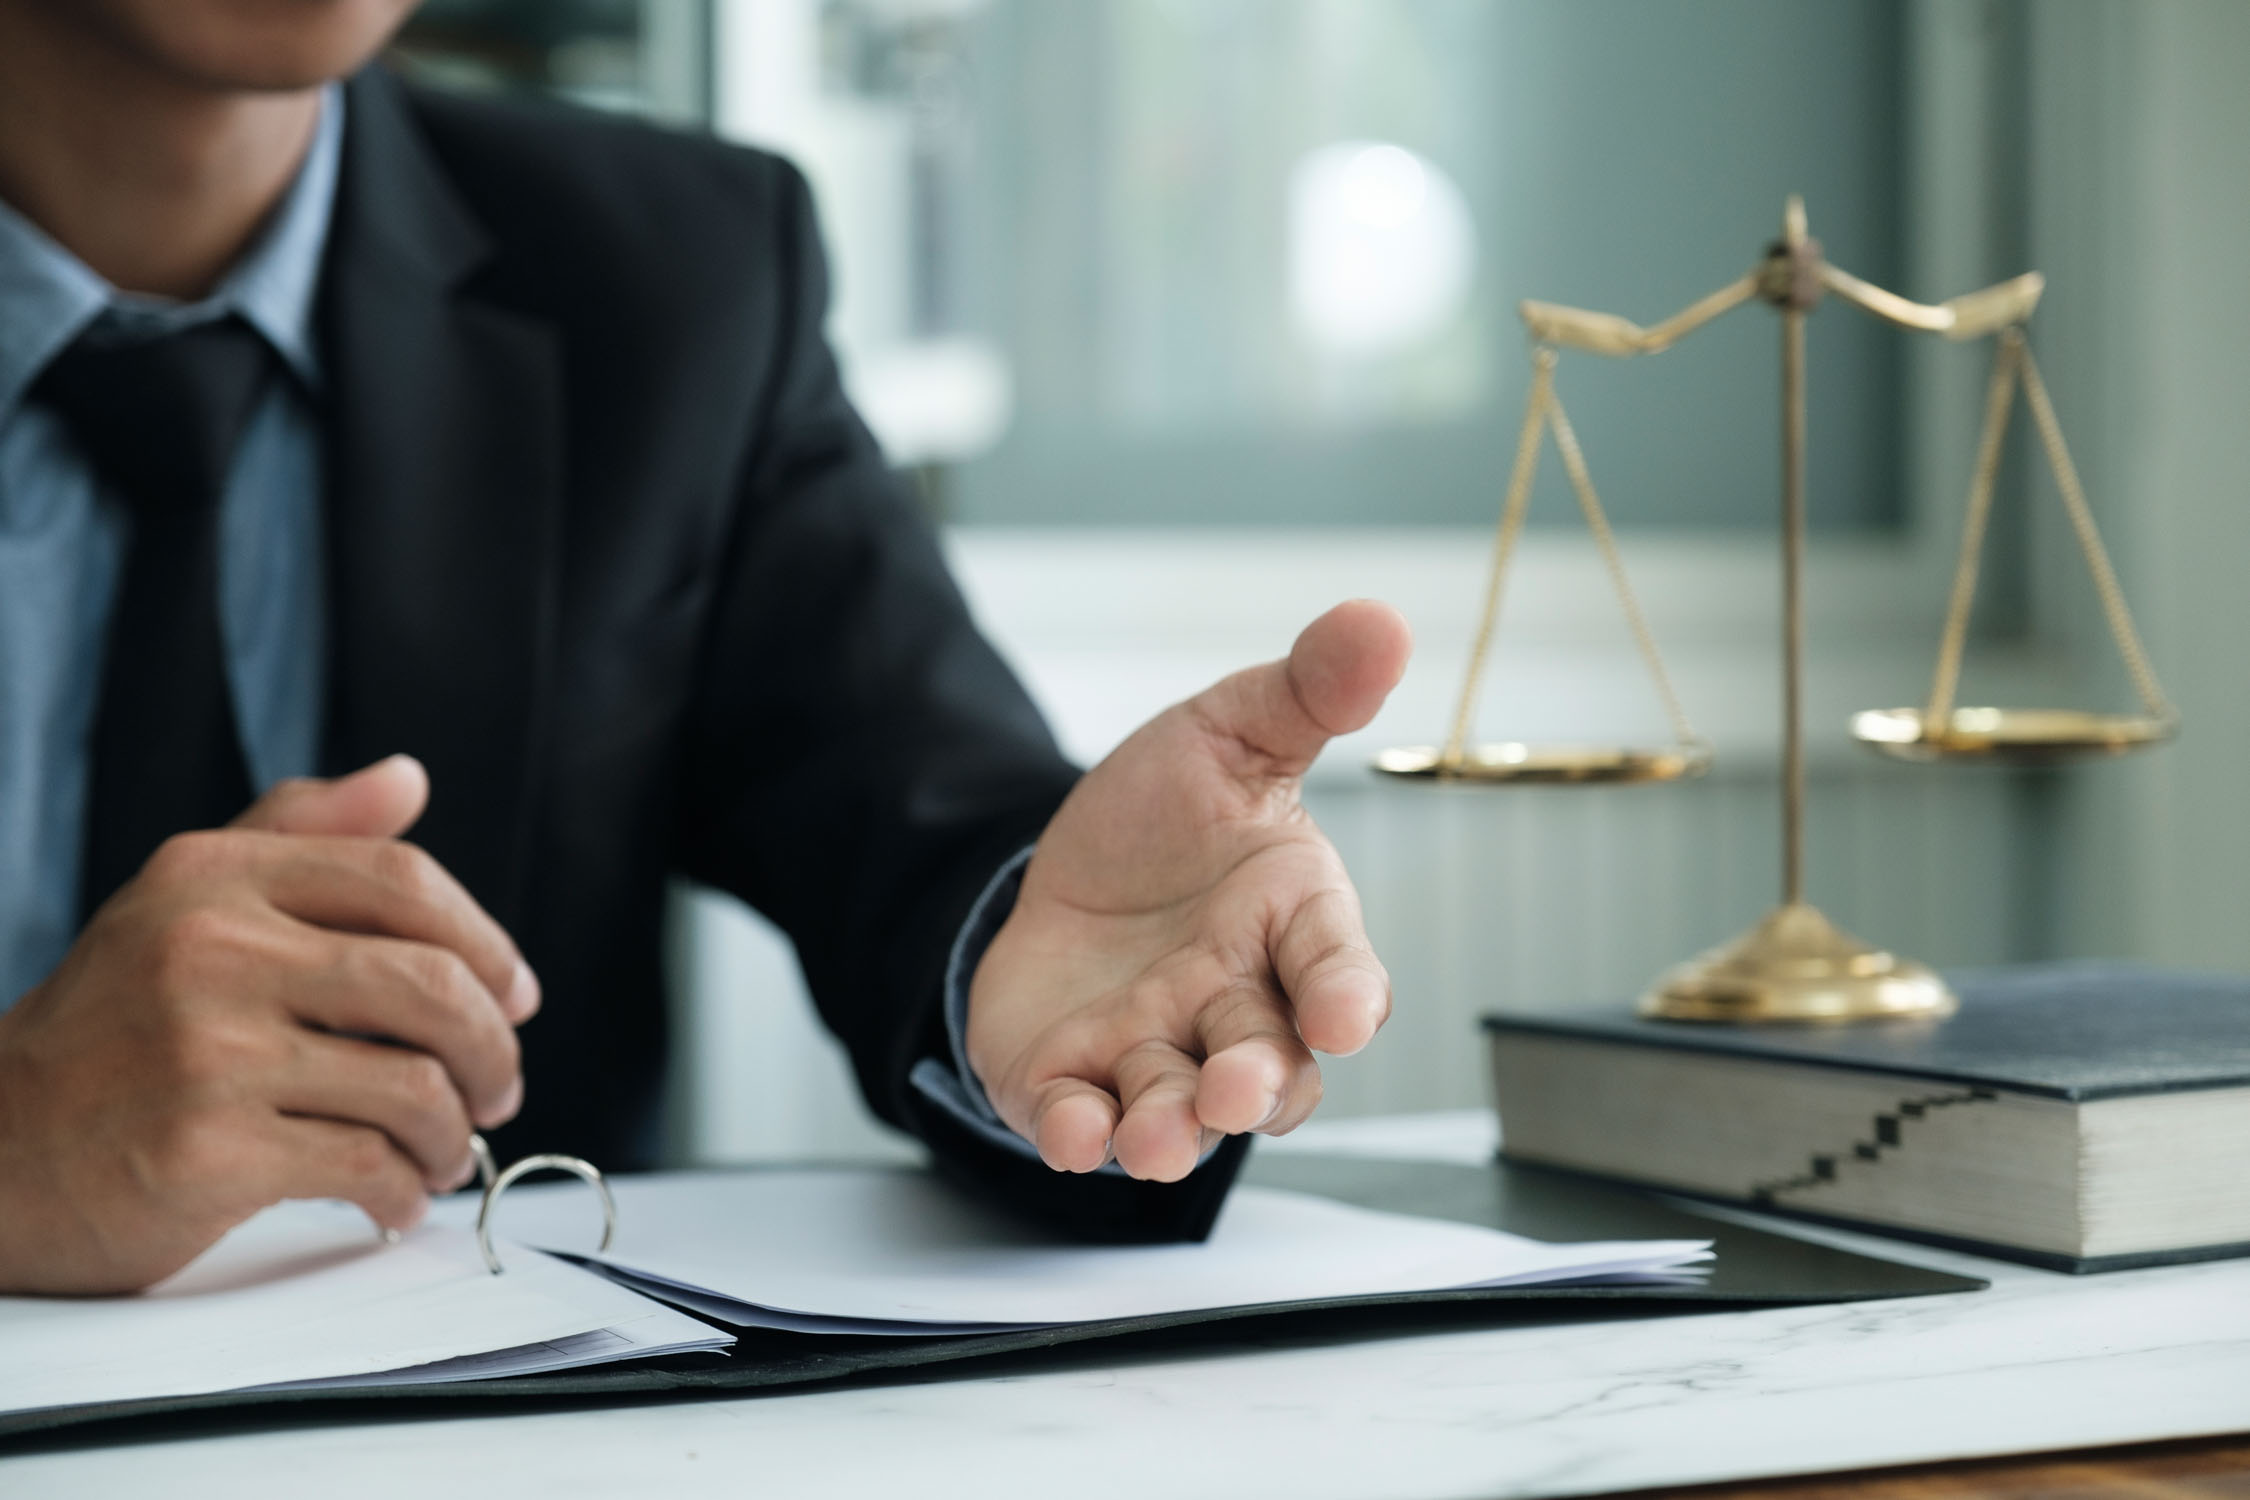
x: 307, y: 1293
x: 899, y: 1253
x: 307, y: 1296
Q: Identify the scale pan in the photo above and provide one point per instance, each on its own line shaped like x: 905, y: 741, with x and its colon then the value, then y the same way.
x: 1533, y: 765
x: 2016, y: 736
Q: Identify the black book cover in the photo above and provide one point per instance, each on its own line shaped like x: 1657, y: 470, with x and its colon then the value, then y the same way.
x: 2074, y: 1031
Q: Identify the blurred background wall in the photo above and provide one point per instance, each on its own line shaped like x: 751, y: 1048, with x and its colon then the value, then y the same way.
x: 1189, y: 317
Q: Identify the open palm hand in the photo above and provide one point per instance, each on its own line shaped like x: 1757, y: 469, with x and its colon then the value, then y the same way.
x: 1186, y: 938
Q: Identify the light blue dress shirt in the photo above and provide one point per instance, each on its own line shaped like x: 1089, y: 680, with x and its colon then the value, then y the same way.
x: 62, y: 542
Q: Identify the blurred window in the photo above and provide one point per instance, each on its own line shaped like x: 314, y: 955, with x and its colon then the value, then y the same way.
x: 1255, y: 261
x: 649, y: 57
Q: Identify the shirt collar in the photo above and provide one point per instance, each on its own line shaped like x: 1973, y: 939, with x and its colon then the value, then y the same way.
x: 48, y: 296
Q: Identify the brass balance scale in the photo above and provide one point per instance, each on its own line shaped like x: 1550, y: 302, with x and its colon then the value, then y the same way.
x: 1795, y: 965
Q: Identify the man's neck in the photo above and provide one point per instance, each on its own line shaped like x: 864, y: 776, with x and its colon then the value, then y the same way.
x: 161, y: 187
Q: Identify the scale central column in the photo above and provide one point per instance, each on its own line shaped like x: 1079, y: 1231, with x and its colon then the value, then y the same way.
x: 1795, y: 965
x: 1792, y: 600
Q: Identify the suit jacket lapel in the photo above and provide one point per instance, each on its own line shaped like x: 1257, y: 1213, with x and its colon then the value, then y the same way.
x: 445, y: 477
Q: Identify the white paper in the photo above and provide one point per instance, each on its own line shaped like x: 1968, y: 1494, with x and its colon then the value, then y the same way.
x: 899, y: 1248
x: 306, y: 1294
x: 302, y: 1291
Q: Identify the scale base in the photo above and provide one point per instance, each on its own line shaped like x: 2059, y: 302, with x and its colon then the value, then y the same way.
x: 1797, y: 967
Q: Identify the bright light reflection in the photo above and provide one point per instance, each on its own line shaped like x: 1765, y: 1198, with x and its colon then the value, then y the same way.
x: 1381, y: 248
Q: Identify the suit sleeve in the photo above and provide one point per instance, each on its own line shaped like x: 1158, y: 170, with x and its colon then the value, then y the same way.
x: 859, y: 761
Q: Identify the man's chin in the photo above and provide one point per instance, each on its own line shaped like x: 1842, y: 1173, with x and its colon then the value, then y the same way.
x: 246, y: 46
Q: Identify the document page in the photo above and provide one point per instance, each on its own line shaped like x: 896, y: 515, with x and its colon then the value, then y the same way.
x: 302, y: 1292
x: 897, y: 1251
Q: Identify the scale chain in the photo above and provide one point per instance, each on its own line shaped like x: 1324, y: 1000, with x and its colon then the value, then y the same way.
x: 1543, y: 411
x: 1998, y: 398
x: 1574, y: 464
x: 2090, y: 540
x: 2012, y: 363
x: 1504, y: 545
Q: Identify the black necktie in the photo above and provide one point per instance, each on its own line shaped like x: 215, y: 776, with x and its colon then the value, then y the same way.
x: 158, y: 420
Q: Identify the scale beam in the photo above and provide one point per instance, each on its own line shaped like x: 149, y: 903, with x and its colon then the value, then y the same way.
x: 1971, y: 315
x: 1607, y: 333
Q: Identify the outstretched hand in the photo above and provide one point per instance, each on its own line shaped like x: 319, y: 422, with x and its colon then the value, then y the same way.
x: 1186, y: 938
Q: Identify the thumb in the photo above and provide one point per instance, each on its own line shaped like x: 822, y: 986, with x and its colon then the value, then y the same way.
x: 1336, y: 676
x: 378, y: 801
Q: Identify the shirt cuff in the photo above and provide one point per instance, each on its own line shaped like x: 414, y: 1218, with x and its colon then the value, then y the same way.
x: 952, y: 1084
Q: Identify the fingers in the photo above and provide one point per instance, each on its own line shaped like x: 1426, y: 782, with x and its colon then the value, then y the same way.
x: 1174, y: 1107
x: 316, y: 1158
x: 1159, y: 1136
x: 1257, y: 1074
x: 1344, y: 664
x: 378, y: 801
x: 418, y: 899
x: 408, y: 894
x: 1072, y: 1123
x: 384, y: 887
x: 405, y: 1094
x: 1337, y: 988
x: 427, y: 998
x: 1335, y: 678
x: 1154, y: 1075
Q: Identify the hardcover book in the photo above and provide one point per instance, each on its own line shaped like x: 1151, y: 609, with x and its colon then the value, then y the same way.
x: 2087, y: 1117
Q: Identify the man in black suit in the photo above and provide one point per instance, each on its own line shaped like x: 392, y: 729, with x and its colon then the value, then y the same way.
x: 603, y: 550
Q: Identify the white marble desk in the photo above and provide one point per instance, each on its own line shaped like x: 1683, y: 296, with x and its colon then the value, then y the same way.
x: 2039, y: 1362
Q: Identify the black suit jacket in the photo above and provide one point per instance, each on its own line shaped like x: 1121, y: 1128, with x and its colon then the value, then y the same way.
x: 610, y: 552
